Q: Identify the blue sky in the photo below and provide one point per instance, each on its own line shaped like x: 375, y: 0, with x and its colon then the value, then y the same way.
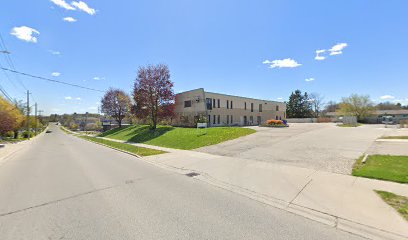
x: 260, y: 49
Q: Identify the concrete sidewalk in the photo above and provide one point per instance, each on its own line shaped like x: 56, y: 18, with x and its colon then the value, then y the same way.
x: 342, y: 201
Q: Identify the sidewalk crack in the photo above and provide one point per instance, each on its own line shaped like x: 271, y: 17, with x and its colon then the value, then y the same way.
x: 300, y: 191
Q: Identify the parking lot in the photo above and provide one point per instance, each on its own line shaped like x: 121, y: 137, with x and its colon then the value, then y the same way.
x: 322, y: 146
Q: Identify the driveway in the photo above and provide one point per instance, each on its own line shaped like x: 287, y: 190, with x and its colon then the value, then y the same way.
x: 321, y: 146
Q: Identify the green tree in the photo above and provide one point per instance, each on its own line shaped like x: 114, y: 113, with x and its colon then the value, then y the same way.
x: 357, y: 105
x: 299, y: 105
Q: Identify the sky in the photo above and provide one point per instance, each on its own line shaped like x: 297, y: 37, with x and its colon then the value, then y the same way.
x: 260, y: 49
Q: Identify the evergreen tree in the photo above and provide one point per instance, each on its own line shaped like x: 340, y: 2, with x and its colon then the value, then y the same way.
x: 299, y: 105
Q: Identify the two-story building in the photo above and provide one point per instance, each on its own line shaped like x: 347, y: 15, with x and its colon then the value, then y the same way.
x: 223, y: 110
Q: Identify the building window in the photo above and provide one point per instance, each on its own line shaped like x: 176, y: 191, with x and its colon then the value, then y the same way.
x: 209, y: 103
x: 214, y: 103
x: 231, y: 105
x: 231, y: 120
x: 187, y: 104
x: 252, y: 107
x: 260, y: 107
x: 213, y: 119
x: 209, y: 119
x: 277, y: 108
x: 251, y: 119
x: 245, y: 106
x: 227, y: 104
x: 218, y: 100
x: 219, y: 119
x: 276, y: 117
x: 227, y: 119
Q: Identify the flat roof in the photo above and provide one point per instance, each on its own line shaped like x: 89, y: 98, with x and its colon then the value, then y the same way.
x: 231, y: 95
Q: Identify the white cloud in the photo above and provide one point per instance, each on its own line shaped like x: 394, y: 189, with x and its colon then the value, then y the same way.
x: 309, y: 79
x: 318, y: 56
x: 337, y: 49
x: 280, y: 98
x: 93, y: 108
x: 63, y: 4
x: 55, y: 74
x: 385, y: 97
x: 25, y: 33
x: 99, y: 78
x: 69, y: 19
x: 84, y: 7
x: 71, y: 98
x: 55, y: 52
x: 284, y: 63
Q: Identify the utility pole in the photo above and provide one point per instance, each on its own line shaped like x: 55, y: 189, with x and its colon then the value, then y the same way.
x: 28, y: 114
x: 36, y: 120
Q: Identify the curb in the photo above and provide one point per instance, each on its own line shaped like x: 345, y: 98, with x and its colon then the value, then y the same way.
x: 117, y: 149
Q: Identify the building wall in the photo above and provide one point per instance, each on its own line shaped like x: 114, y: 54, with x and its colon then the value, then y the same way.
x: 222, y: 113
x: 185, y: 115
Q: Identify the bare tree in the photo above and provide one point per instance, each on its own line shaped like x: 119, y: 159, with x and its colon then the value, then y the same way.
x: 317, y: 102
x: 116, y: 103
x: 357, y: 105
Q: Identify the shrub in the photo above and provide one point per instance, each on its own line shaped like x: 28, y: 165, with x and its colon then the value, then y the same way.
x: 276, y: 123
x: 26, y: 134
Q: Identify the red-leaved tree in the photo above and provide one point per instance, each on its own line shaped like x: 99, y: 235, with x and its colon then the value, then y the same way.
x: 153, y: 94
x: 116, y: 103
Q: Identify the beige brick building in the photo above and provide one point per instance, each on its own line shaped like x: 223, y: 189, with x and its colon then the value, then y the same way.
x: 223, y: 110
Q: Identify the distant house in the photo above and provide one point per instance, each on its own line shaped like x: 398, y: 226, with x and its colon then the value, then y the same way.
x: 224, y: 110
x: 379, y: 116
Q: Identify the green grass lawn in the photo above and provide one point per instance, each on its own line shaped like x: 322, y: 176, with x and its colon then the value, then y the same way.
x: 395, y: 137
x: 126, y: 147
x: 383, y: 167
x: 400, y: 203
x: 176, y: 137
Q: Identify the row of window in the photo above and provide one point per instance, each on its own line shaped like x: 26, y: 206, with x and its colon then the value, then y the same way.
x: 216, y: 119
x: 211, y: 103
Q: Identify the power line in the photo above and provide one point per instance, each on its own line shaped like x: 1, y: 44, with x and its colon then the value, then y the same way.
x: 5, y: 94
x: 52, y: 80
x: 10, y: 61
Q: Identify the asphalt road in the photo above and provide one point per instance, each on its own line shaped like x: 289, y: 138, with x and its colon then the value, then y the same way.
x: 62, y: 187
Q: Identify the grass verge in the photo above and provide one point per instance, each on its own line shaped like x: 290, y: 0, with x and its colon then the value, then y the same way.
x: 395, y: 137
x: 400, y: 203
x: 125, y: 147
x: 177, y: 137
x: 383, y: 167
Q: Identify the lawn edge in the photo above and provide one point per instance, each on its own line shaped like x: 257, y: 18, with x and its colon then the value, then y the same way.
x: 121, y: 150
x: 379, y: 193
